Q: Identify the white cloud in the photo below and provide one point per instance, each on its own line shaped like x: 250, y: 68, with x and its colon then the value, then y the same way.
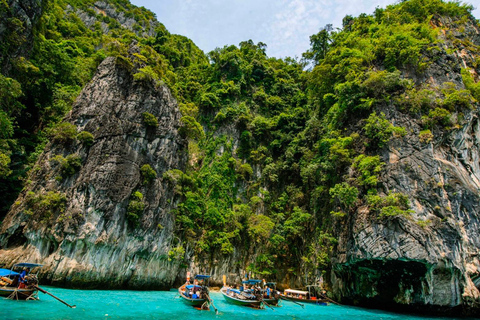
x: 292, y: 26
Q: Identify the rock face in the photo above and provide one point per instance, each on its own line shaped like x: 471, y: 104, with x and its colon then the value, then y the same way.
x: 105, y: 9
x: 79, y: 228
x: 429, y: 261
x: 17, y: 21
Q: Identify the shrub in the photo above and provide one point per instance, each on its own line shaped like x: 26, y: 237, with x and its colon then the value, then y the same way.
x: 177, y: 253
x: 470, y: 84
x: 437, y: 116
x: 415, y: 101
x: 6, y: 127
x: 146, y: 74
x: 4, y: 165
x: 69, y: 165
x: 45, y: 205
x: 260, y: 227
x: 188, y: 109
x: 392, y: 205
x: 297, y: 223
x: 72, y: 164
x: 423, y: 223
x: 379, y: 130
x: 64, y: 132
x: 345, y: 194
x: 135, y: 208
x: 367, y: 167
x: 245, y: 171
x: 191, y: 128
x: 392, y: 211
x: 458, y: 99
x: 380, y: 84
x: 425, y: 136
x: 148, y: 173
x: 86, y: 138
x: 338, y: 214
x: 174, y: 176
x: 208, y: 100
x: 150, y: 120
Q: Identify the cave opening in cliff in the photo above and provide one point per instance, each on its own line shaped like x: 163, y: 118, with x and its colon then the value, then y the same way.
x: 17, y: 239
x: 386, y: 283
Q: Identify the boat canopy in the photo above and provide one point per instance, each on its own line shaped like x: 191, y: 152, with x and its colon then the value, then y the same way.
x: 252, y: 281
x: 234, y: 290
x: 295, y: 291
x: 8, y: 272
x: 27, y: 265
x: 270, y: 284
x: 191, y: 286
x: 201, y: 276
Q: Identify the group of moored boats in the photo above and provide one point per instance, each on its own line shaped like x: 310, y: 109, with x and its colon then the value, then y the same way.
x: 254, y: 293
x: 251, y: 293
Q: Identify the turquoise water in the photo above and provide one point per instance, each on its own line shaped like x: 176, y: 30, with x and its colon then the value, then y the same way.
x: 95, y: 304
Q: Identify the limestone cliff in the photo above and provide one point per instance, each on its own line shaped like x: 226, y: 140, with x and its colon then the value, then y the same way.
x: 105, y: 9
x: 79, y: 227
x: 429, y: 261
x: 96, y: 218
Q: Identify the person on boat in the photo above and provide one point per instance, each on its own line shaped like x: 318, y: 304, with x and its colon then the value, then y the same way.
x: 267, y: 291
x: 22, y: 279
x: 24, y: 273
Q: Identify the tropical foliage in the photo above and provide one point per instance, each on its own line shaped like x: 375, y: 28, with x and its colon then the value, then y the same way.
x: 281, y: 151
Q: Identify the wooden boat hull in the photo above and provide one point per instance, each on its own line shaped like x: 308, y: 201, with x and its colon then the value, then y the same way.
x: 193, y: 302
x: 322, y: 302
x: 272, y: 301
x: 241, y: 302
x: 21, y: 294
x: 197, y: 303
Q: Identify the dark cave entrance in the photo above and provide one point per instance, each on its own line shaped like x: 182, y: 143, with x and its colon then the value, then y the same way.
x: 383, y: 283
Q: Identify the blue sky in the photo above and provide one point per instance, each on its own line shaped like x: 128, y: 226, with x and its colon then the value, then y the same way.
x: 284, y: 25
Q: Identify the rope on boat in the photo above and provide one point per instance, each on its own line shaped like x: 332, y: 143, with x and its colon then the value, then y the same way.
x: 205, y: 306
x: 33, y: 296
x: 268, y: 305
x: 211, y: 302
x: 16, y: 292
x: 13, y: 295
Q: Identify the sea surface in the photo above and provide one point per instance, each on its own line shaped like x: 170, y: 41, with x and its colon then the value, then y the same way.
x: 107, y: 304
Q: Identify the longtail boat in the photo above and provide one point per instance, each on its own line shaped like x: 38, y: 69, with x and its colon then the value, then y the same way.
x: 241, y: 298
x: 196, y: 295
x: 250, y: 297
x: 273, y: 298
x: 304, y: 296
x: 19, y: 286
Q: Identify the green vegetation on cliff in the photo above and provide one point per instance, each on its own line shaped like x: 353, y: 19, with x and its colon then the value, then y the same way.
x: 279, y: 156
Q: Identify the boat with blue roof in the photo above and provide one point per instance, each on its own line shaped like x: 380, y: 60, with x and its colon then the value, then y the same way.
x: 249, y: 294
x: 19, y: 283
x: 196, y: 294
